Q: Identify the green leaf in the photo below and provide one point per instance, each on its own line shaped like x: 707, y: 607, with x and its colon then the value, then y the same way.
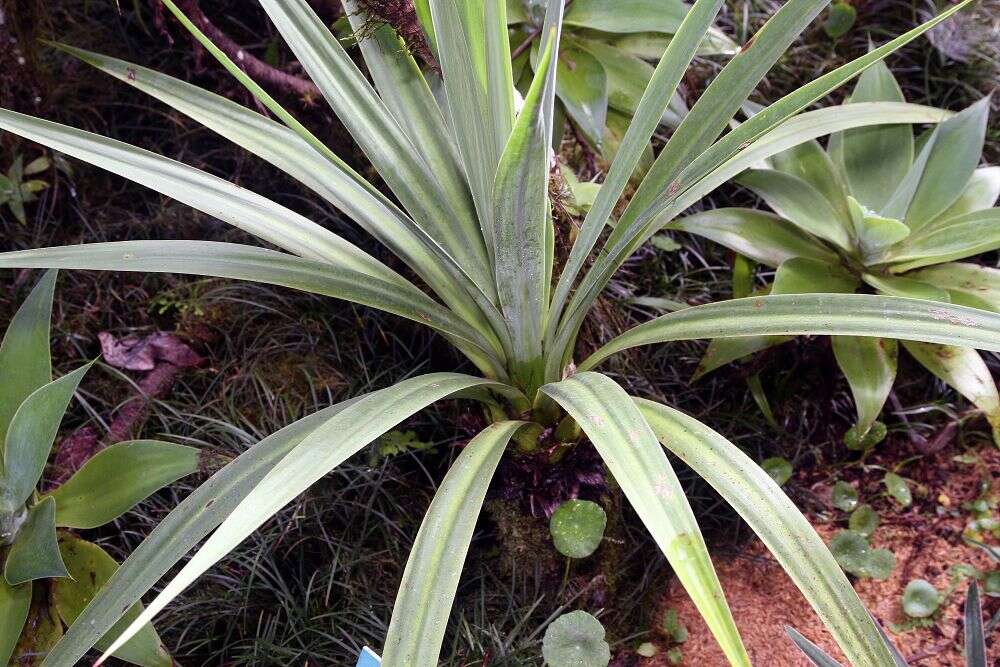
x: 575, y: 639
x: 183, y: 528
x: 965, y: 371
x: 650, y: 45
x: 674, y: 627
x: 816, y: 655
x: 14, y: 604
x: 35, y: 554
x: 952, y: 160
x: 117, y: 478
x: 975, y: 637
x: 763, y: 237
x: 722, y: 351
x: 958, y: 238
x: 577, y: 528
x: 864, y: 520
x: 37, y: 166
x: 898, y: 489
x: 856, y: 556
x: 845, y: 496
x: 816, y: 314
x: 800, y: 275
x: 378, y: 134
x: 625, y: 16
x: 968, y: 284
x: 799, y: 202
x: 324, y: 449
x: 42, y: 630
x: 906, y: 287
x: 629, y: 448
x: 582, y: 86
x: 322, y: 172
x: 521, y: 209
x: 874, y: 159
x: 840, y: 20
x: 229, y: 260
x: 811, y: 163
x: 631, y: 152
x: 778, y: 469
x: 24, y: 353
x: 874, y: 232
x: 30, y: 436
x: 920, y: 599
x: 90, y: 567
x: 627, y: 76
x: 615, y: 130
x: 869, y: 364
x: 980, y: 192
x: 423, y: 603
x: 779, y: 524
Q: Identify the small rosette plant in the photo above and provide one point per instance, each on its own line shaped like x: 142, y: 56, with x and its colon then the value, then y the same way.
x: 50, y: 574
x: 877, y: 211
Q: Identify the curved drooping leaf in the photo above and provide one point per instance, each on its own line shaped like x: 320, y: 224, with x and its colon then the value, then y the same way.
x: 35, y: 554
x: 183, y: 528
x: 869, y: 364
x: 322, y: 172
x: 629, y: 447
x: 980, y: 192
x: 958, y: 238
x: 968, y: 284
x: 811, y: 163
x: 116, y: 478
x: 90, y: 567
x: 229, y: 260
x: 31, y: 434
x: 14, y: 604
x: 779, y: 524
x: 627, y: 16
x: 24, y: 353
x: 829, y: 314
x: 426, y: 594
x: 763, y: 237
x: 582, y: 86
x: 907, y: 287
x: 964, y: 370
x: 319, y: 452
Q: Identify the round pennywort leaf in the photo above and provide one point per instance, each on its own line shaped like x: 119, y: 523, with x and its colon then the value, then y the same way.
x: 576, y: 639
x: 778, y: 468
x: 845, y: 496
x: 898, y: 489
x: 577, y: 528
x: 864, y: 520
x: 920, y: 599
x: 856, y: 556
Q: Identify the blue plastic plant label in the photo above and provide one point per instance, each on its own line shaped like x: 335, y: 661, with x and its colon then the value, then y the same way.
x: 368, y: 658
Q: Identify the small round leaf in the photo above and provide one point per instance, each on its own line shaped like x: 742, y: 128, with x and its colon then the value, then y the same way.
x: 577, y: 528
x: 920, y: 599
x: 864, y: 520
x: 898, y: 489
x: 840, y: 20
x: 778, y: 468
x: 576, y: 639
x: 845, y: 496
x: 855, y: 555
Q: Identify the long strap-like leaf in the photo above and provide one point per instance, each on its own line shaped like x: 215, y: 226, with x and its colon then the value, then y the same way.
x: 780, y: 525
x: 230, y: 260
x: 630, y: 449
x: 379, y: 135
x: 318, y: 453
x: 521, y: 212
x: 655, y: 100
x: 816, y: 314
x: 322, y: 172
x: 427, y: 592
x: 793, y: 132
x: 183, y: 528
x: 628, y: 235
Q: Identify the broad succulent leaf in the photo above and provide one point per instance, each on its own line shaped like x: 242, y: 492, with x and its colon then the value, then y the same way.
x: 35, y: 553
x: 14, y: 604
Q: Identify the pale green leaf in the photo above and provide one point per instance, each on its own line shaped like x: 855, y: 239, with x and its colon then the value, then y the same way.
x: 779, y: 524
x: 816, y: 314
x: 627, y: 76
x: 582, y: 86
x: 90, y: 567
x: 898, y: 489
x: 639, y: 465
x: 801, y: 275
x: 575, y: 639
x: 423, y: 603
x: 921, y: 599
x: 116, y: 478
x: 844, y: 496
x: 35, y: 554
x: 968, y: 284
x: 958, y: 238
x: 627, y: 16
x: 811, y: 163
x: 906, y: 286
x: 318, y: 453
x: 874, y: 233
x: 577, y: 528
x: 869, y: 364
x: 24, y: 354
x: 980, y: 192
x: 763, y: 237
x: 817, y: 656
